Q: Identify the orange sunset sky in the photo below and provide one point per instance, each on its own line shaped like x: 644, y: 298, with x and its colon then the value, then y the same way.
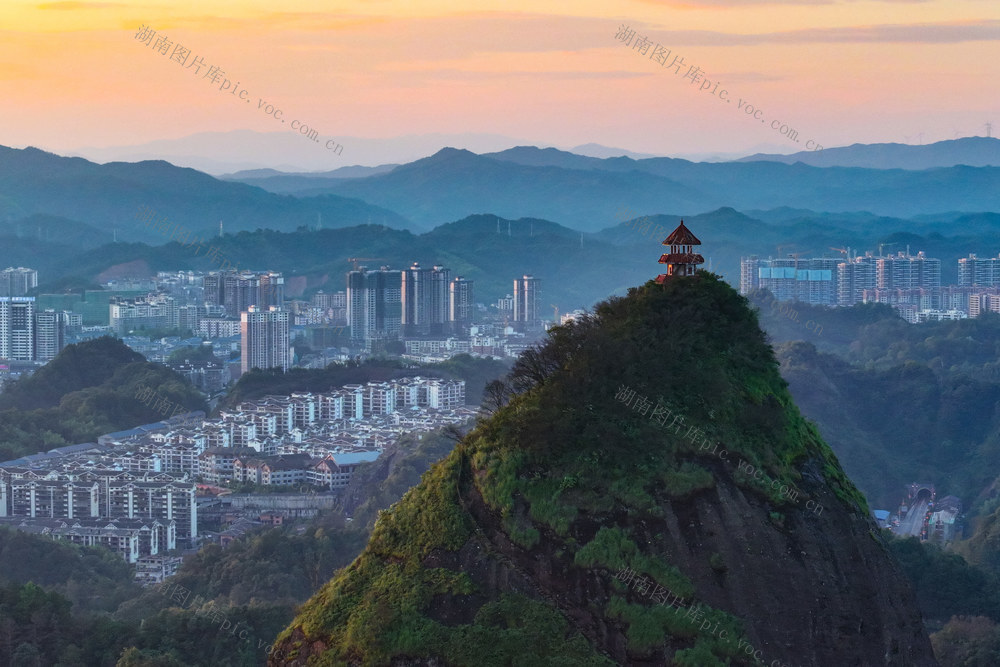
x: 73, y: 74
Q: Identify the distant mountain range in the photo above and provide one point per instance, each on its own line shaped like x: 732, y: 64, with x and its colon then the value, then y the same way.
x: 565, y: 212
x: 585, y: 192
x: 246, y: 150
x: 577, y: 191
x: 970, y: 151
x: 106, y: 199
x: 236, y: 150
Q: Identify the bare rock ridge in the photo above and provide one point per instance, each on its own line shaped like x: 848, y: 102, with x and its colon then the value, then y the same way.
x: 644, y: 493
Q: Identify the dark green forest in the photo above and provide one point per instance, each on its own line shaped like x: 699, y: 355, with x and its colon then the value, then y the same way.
x: 897, y: 402
x: 89, y: 389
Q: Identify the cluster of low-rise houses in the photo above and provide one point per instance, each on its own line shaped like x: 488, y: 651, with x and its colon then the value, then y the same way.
x: 135, y: 492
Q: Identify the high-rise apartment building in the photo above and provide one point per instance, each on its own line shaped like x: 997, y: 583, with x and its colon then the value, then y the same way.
x: 238, y: 290
x: 749, y: 274
x: 461, y: 306
x: 333, y: 306
x: 506, y: 306
x: 906, y: 271
x: 975, y: 272
x: 374, y: 304
x: 153, y: 311
x: 17, y: 282
x: 325, y: 300
x: 264, y: 338
x: 105, y: 494
x: 527, y: 290
x: 983, y: 303
x: 808, y: 280
x: 424, y: 296
x: 17, y: 328
x: 50, y: 333
x: 189, y: 317
x: 854, y: 277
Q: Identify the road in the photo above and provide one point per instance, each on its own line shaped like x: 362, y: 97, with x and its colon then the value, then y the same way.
x: 914, y: 521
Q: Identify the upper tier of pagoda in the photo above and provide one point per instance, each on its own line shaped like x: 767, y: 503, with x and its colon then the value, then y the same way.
x: 682, y: 260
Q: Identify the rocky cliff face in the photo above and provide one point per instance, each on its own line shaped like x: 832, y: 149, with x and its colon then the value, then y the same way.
x: 646, y: 495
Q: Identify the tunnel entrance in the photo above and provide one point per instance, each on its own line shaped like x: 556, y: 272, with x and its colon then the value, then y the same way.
x: 920, y: 492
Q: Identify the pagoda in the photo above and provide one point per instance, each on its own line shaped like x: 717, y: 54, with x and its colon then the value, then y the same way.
x: 682, y: 260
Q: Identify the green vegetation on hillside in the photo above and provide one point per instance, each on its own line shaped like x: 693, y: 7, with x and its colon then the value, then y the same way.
x: 891, y: 426
x: 961, y: 601
x: 561, y: 458
x: 89, y: 389
x: 192, y: 354
x: 968, y: 641
x: 62, y: 567
x: 946, y: 585
x: 874, y: 336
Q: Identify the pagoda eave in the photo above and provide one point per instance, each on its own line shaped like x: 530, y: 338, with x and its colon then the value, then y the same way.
x: 686, y: 258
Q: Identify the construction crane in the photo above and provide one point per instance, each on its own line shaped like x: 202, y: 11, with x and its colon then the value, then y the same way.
x: 884, y: 245
x: 796, y: 255
x: 787, y: 245
x: 845, y: 251
x: 355, y: 260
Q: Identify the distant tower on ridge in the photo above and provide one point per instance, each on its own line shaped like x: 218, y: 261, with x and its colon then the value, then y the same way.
x: 682, y: 260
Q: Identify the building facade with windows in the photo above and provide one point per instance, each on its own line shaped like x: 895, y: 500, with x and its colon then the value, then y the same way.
x: 264, y: 339
x: 17, y: 328
x: 374, y: 305
x: 527, y: 292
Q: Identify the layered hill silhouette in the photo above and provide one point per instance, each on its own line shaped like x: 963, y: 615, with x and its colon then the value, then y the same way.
x: 70, y: 201
x: 107, y: 197
x: 584, y: 192
x: 645, y: 492
x: 970, y: 151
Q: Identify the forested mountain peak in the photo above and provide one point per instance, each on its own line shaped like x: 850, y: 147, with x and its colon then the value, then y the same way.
x: 644, y: 466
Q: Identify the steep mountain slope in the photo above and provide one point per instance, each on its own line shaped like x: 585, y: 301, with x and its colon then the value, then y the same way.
x: 655, y: 440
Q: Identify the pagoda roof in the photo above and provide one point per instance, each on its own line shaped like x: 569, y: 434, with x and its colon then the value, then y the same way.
x: 682, y: 236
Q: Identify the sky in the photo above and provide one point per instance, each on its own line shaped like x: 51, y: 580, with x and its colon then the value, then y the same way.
x: 796, y: 73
